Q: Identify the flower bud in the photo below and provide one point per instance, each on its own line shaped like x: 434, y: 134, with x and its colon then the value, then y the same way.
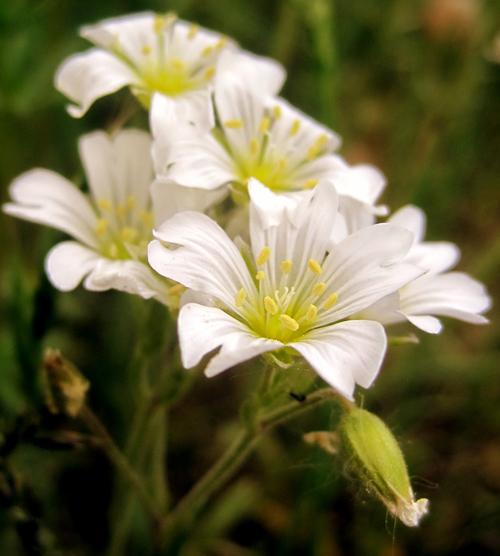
x: 64, y: 386
x: 376, y: 458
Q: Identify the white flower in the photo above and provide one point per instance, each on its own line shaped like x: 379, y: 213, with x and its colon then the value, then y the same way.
x: 265, y: 138
x: 450, y: 294
x: 113, y: 226
x: 287, y: 292
x: 151, y: 54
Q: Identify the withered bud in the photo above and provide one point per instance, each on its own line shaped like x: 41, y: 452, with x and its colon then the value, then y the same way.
x: 375, y: 457
x: 64, y: 385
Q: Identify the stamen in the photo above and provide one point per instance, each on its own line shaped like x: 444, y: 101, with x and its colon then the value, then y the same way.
x: 311, y: 313
x: 207, y: 51
x: 209, y: 73
x: 233, y: 124
x: 263, y: 256
x: 264, y: 124
x: 240, y: 297
x: 121, y: 211
x: 281, y: 164
x: 193, y: 31
x: 254, y: 146
x: 113, y: 251
x: 104, y: 204
x: 314, y: 267
x: 158, y: 24
x: 286, y: 266
x: 177, y: 64
x: 175, y: 290
x: 310, y: 184
x: 270, y: 305
x: 261, y: 275
x: 101, y: 226
x: 330, y: 302
x: 131, y: 202
x: 221, y: 44
x: 318, y: 289
x: 129, y: 234
x: 146, y: 50
x: 170, y: 18
x: 277, y: 112
x: 295, y: 128
x: 147, y: 218
x: 313, y: 151
x: 289, y: 323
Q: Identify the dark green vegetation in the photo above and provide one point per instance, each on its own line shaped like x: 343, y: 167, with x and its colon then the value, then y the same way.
x: 407, y: 85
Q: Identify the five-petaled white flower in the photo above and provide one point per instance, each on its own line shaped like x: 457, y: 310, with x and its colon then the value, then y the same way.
x: 292, y: 290
x: 114, y: 225
x: 264, y: 137
x: 438, y: 292
x: 154, y: 54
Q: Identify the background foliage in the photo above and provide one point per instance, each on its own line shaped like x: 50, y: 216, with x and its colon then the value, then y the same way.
x: 408, y: 86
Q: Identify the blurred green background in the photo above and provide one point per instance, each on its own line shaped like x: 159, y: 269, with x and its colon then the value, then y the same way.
x: 408, y: 85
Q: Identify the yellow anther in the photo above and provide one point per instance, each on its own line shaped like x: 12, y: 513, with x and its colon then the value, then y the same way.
x: 193, y: 31
x: 263, y: 256
x: 104, y: 204
x: 233, y: 124
x: 314, y: 267
x: 289, y: 323
x: 254, y: 146
x: 175, y: 290
x: 264, y: 125
x: 281, y: 164
x: 286, y: 266
x: 131, y: 202
x: 318, y: 289
x: 277, y: 112
x: 128, y: 234
x: 177, y: 64
x: 147, y: 218
x: 270, y: 305
x: 101, y: 226
x: 311, y: 313
x: 330, y: 302
x: 221, y: 44
x: 313, y: 151
x: 209, y: 73
x: 146, y: 50
x: 295, y: 128
x: 113, y: 251
x: 158, y: 24
x: 240, y: 297
x: 121, y: 211
x: 207, y: 51
x: 310, y: 184
x: 261, y: 275
x: 170, y: 18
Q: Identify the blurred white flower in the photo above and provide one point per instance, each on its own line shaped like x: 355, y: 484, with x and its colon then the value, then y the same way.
x: 438, y: 292
x: 113, y: 225
x: 287, y: 292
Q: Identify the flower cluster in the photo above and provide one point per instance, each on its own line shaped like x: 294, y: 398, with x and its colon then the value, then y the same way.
x: 262, y: 234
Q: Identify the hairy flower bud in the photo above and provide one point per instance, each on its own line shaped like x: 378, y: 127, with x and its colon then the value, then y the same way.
x: 376, y: 458
x: 64, y: 386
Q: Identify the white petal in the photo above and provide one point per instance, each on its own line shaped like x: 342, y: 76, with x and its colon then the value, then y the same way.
x: 411, y: 218
x: 263, y: 75
x: 453, y: 294
x: 119, y: 166
x: 345, y: 354
x: 202, y: 329
x: 68, y: 263
x: 429, y: 324
x: 365, y: 267
x: 207, y: 260
x: 296, y: 226
x: 169, y: 198
x: 192, y: 107
x: 86, y: 77
x: 129, y: 276
x: 47, y: 198
x: 385, y: 310
x: 434, y: 256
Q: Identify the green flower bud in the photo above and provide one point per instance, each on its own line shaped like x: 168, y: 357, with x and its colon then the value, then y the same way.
x: 376, y: 458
